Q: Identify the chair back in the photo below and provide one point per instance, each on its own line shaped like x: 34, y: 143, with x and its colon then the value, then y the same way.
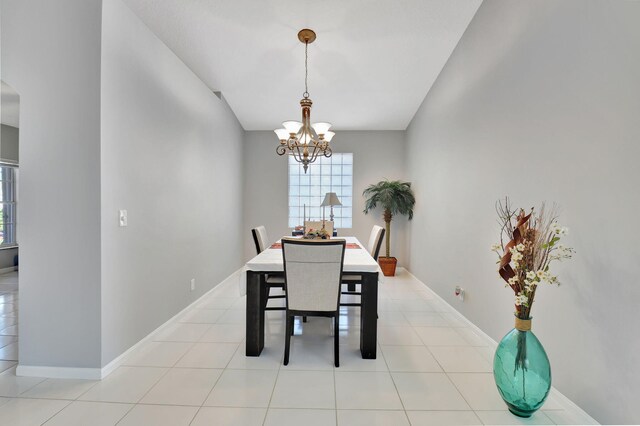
x: 317, y: 224
x: 375, y: 241
x: 312, y: 273
x: 260, y: 238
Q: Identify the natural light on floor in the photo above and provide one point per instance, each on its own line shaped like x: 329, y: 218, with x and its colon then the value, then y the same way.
x: 433, y: 367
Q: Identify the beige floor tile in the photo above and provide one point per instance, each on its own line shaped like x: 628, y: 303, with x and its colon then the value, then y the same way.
x: 208, y: 355
x: 479, y: 390
x: 461, y: 359
x: 297, y: 417
x: 125, y: 384
x: 182, y: 386
x: 12, y: 385
x: 304, y: 389
x: 59, y: 389
x: 158, y: 354
x: 159, y: 415
x: 18, y: 412
x: 443, y: 418
x: 410, y: 358
x: 428, y: 391
x: 243, y: 388
x: 504, y: 417
x: 226, y: 416
x: 81, y: 413
x: 366, y: 390
x: 372, y: 418
x: 441, y: 336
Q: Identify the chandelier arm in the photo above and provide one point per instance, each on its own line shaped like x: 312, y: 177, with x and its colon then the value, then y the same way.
x: 328, y: 152
x: 316, y: 150
x: 300, y: 155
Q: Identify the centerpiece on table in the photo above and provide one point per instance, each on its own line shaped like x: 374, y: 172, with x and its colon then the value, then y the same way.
x: 520, y: 366
x: 317, y: 234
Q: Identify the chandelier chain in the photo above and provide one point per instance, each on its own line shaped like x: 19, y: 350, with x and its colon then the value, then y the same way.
x: 306, y: 71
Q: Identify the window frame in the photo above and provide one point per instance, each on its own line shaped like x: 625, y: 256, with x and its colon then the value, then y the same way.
x: 11, y: 217
x: 348, y: 202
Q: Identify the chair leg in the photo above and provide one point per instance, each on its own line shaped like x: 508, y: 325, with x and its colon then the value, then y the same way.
x: 336, y: 340
x: 287, y: 339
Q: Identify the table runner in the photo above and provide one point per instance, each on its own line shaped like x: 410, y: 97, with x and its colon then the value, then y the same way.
x: 348, y: 245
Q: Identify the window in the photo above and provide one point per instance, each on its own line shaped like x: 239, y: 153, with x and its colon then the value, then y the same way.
x: 8, y: 200
x: 333, y: 174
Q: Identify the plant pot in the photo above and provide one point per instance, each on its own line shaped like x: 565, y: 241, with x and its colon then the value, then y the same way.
x: 521, y: 370
x: 388, y: 265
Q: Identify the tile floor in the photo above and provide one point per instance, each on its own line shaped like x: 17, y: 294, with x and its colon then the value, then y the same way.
x: 8, y: 320
x: 432, y: 369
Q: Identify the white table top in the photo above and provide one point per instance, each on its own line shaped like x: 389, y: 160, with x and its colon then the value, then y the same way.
x: 355, y: 260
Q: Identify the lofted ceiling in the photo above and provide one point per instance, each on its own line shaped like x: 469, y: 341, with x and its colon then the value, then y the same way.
x: 369, y: 69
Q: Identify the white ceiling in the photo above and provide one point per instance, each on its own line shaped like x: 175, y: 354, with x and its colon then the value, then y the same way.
x: 370, y: 68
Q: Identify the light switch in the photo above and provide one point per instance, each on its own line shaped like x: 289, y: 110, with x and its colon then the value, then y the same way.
x: 123, y: 218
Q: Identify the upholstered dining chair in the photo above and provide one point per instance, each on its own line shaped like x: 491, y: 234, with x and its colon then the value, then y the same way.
x: 312, y: 273
x: 373, y: 247
x: 274, y: 280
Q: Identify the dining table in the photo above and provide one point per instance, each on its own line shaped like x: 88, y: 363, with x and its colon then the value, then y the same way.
x: 357, y: 260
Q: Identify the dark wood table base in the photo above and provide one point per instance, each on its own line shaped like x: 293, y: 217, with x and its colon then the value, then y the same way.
x: 256, y: 302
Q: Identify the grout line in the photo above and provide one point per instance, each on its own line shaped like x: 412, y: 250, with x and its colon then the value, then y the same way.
x: 126, y: 414
x: 56, y: 413
x: 275, y: 382
x: 395, y: 386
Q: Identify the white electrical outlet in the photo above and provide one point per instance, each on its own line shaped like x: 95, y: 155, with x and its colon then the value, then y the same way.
x: 193, y: 284
x: 459, y: 292
x: 122, y: 218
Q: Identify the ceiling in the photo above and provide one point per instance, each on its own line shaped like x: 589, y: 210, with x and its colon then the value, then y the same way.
x: 369, y: 69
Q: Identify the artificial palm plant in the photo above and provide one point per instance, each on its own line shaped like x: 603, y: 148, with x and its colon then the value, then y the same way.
x: 395, y: 197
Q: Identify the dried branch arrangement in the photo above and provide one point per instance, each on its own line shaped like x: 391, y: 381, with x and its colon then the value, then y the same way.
x: 529, y: 242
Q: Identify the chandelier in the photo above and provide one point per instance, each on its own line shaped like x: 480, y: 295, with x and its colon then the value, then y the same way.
x: 303, y: 140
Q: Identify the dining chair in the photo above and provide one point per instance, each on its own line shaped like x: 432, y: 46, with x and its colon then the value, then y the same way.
x: 312, y: 274
x: 274, y: 280
x: 373, y: 247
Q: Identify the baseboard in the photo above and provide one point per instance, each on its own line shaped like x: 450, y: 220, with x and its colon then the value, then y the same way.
x: 101, y: 373
x: 562, y: 400
x: 110, y: 367
x: 8, y: 270
x: 58, y: 372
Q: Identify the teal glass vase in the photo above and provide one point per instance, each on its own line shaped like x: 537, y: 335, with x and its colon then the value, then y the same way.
x: 521, y: 370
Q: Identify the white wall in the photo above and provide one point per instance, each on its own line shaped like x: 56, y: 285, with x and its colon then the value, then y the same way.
x: 171, y: 154
x: 376, y: 155
x: 540, y: 101
x: 51, y: 57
